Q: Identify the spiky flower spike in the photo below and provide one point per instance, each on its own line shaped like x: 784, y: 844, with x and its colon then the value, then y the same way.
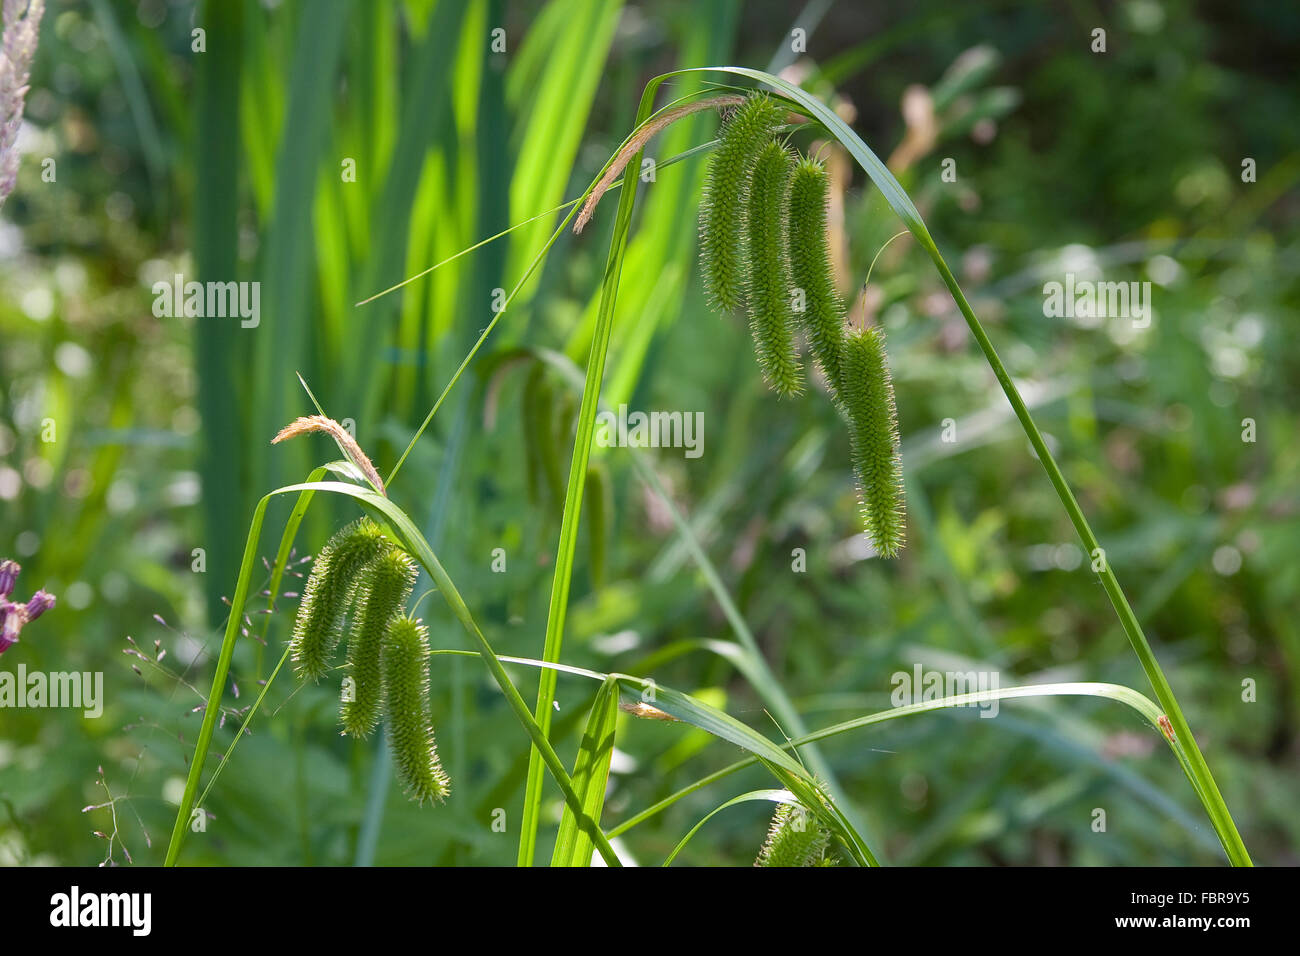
x: 726, y: 188
x: 386, y: 585
x: 330, y: 589
x: 810, y: 268
x: 795, y: 838
x: 769, y: 289
x: 867, y: 402
x: 410, y: 731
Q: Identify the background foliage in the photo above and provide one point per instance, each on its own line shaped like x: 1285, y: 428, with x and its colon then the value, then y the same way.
x: 228, y: 164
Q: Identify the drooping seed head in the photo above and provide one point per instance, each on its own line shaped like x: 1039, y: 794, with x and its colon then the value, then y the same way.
x: 810, y: 268
x: 330, y: 589
x: 385, y: 585
x: 867, y: 403
x: 726, y: 189
x: 795, y: 838
x: 410, y: 731
x: 769, y: 291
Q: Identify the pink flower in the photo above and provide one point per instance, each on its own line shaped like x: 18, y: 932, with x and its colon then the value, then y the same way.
x: 39, y: 603
x: 8, y: 575
x: 13, y: 617
x: 11, y: 622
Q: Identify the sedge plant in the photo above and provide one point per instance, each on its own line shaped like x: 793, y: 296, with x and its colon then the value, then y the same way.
x: 763, y: 249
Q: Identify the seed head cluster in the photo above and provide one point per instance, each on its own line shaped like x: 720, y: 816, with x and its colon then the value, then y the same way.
x: 362, y: 571
x: 764, y: 244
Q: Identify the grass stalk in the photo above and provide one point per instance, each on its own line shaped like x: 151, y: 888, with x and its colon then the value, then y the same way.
x: 568, y: 543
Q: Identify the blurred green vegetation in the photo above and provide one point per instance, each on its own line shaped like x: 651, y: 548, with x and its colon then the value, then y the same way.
x: 233, y: 164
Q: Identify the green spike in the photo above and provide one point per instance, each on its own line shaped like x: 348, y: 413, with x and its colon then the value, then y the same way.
x: 867, y: 402
x: 387, y: 583
x: 769, y: 289
x: 810, y: 268
x: 726, y: 188
x: 410, y: 730
x: 795, y: 838
x: 330, y: 590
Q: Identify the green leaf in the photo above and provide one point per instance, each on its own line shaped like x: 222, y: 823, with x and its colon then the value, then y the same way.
x: 573, y: 847
x: 773, y: 796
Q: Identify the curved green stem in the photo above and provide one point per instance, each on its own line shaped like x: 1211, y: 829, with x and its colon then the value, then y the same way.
x: 1199, y: 770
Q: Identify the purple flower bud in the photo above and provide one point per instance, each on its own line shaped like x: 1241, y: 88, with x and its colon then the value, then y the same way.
x: 11, y: 622
x: 8, y: 575
x: 40, y: 602
x: 13, y: 617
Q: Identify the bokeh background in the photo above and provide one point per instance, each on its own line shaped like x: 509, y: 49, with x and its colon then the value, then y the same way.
x: 229, y: 164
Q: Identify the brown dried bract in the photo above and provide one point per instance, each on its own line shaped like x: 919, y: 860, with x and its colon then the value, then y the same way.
x: 1167, y: 727
x: 633, y: 146
x: 319, y: 423
x: 642, y: 709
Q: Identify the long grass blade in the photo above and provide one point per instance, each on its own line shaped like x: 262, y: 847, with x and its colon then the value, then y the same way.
x: 573, y: 847
x: 771, y: 796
